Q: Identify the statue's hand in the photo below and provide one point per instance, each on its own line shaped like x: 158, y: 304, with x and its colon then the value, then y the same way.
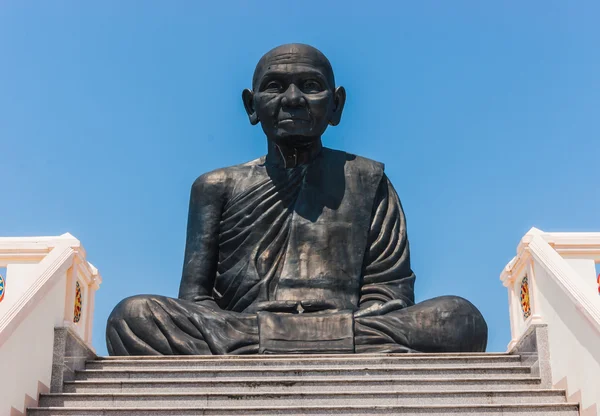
x: 304, y: 306
x: 320, y: 305
x: 281, y: 306
x: 378, y: 309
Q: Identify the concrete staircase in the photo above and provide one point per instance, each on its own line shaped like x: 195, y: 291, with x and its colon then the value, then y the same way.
x: 415, y: 384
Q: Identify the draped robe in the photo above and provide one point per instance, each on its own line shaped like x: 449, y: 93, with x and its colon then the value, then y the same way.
x: 331, y: 230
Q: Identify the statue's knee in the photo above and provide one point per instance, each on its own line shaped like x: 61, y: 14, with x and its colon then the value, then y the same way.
x: 455, y: 303
x: 466, y: 312
x: 460, y: 306
x: 131, y: 307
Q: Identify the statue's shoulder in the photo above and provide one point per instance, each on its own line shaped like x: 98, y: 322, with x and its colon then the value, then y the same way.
x: 354, y: 162
x: 223, y: 177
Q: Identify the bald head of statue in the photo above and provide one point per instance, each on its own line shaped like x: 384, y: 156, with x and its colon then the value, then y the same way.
x: 293, y: 95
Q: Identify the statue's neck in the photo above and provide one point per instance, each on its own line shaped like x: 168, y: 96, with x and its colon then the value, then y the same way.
x: 292, y: 156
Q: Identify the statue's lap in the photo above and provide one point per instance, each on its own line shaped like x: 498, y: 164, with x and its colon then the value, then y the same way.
x: 152, y: 324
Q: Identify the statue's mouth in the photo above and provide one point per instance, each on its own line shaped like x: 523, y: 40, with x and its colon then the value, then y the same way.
x: 286, y: 121
x: 293, y: 116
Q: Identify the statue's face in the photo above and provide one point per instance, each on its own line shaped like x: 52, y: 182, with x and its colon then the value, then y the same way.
x: 294, y: 95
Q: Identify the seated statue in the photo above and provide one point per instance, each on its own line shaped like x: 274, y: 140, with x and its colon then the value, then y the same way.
x: 303, y: 250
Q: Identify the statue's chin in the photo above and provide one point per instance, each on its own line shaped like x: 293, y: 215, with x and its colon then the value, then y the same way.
x: 294, y: 140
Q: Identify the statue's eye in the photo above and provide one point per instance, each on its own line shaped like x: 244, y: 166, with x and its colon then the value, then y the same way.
x: 272, y: 86
x: 312, y: 86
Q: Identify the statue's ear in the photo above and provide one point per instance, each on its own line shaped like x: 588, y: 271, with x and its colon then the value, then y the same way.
x: 339, y: 97
x: 248, y: 99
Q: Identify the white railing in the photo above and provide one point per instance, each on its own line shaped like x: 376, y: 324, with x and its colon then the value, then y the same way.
x: 553, y: 281
x: 45, y: 278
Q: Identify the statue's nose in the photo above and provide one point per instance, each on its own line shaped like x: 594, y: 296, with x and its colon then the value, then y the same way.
x: 293, y: 97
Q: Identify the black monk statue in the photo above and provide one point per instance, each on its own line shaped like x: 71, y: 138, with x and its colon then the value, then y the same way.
x: 303, y: 250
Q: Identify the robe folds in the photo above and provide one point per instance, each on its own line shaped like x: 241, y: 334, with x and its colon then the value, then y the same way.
x: 330, y: 231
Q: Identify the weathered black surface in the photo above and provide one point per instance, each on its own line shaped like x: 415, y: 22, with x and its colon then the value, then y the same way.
x: 301, y: 251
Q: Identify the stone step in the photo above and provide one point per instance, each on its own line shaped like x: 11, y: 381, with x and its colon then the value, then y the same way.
x: 302, y: 372
x: 301, y: 399
x: 269, y: 357
x: 306, y: 384
x: 297, y: 361
x: 548, y: 409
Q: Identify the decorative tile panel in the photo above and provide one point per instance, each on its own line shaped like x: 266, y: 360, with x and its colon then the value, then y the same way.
x: 78, y: 303
x: 2, y: 287
x: 525, y: 302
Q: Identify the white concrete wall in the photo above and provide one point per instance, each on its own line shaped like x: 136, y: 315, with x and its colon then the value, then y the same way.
x: 561, y: 269
x: 26, y: 355
x: 39, y: 296
x: 586, y: 268
x: 574, y: 342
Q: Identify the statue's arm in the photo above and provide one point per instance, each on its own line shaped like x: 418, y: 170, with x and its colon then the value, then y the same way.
x: 202, y: 243
x: 388, y: 281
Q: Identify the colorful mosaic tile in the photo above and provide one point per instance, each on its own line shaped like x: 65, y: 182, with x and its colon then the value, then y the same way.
x: 2, y: 287
x: 78, y: 302
x: 525, y: 303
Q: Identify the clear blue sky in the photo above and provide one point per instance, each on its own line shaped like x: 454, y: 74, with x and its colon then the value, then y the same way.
x: 487, y: 117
